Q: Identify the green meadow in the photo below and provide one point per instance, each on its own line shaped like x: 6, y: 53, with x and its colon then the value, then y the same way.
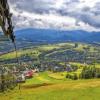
x: 54, y: 86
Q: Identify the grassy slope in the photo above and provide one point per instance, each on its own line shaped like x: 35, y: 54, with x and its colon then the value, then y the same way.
x: 39, y: 49
x: 54, y: 86
x: 12, y: 55
x: 43, y: 87
x: 36, y: 51
x: 69, y: 90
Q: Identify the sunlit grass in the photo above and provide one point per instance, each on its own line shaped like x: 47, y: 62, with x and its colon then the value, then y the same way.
x: 20, y: 53
x: 58, y: 76
x: 36, y: 51
x: 45, y: 87
x: 68, y: 90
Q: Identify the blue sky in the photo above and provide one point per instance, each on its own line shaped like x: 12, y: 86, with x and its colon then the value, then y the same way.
x: 56, y: 14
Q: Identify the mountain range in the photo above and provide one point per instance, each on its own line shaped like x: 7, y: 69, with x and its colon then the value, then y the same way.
x: 49, y: 35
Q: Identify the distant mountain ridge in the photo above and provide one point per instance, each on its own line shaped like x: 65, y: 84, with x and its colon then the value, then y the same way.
x: 48, y: 35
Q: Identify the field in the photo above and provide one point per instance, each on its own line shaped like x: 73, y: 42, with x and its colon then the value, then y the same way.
x: 35, y: 51
x: 47, y: 86
x: 55, y: 52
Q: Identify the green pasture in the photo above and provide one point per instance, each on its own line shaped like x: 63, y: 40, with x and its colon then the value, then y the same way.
x: 49, y: 89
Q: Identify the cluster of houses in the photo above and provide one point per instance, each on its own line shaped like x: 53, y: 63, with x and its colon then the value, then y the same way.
x: 55, y: 67
x: 9, y: 77
x: 20, y: 73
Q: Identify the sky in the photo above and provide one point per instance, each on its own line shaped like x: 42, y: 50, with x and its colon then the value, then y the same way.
x: 56, y: 14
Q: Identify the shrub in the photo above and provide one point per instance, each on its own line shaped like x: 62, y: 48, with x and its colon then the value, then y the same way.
x: 72, y: 76
x: 97, y: 75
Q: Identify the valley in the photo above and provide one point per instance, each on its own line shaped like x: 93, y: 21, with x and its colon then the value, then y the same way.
x: 69, y: 68
x: 49, y: 49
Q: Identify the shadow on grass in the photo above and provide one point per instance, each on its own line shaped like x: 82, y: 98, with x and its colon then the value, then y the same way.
x: 36, y: 85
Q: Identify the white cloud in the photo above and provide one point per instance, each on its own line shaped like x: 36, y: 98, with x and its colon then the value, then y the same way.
x: 57, y: 14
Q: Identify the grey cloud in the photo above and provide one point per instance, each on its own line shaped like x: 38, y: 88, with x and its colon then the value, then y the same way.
x: 88, y: 15
x: 69, y: 8
x: 37, y: 6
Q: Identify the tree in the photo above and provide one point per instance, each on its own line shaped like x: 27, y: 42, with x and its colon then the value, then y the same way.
x: 76, y: 45
x: 88, y: 72
x: 5, y: 20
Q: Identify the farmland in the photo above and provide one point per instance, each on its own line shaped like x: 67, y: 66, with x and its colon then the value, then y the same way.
x: 56, y: 52
x: 54, y: 81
